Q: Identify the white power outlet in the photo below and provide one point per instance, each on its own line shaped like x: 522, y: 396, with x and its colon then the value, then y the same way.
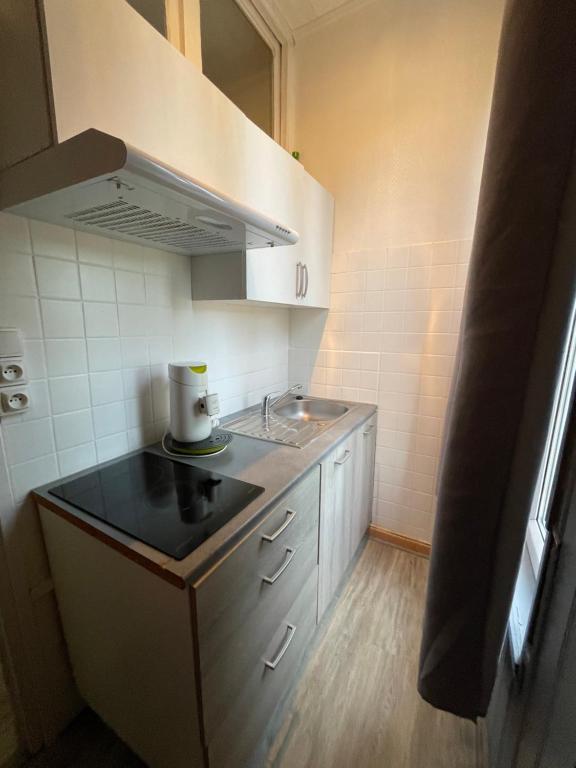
x: 12, y: 372
x: 13, y: 400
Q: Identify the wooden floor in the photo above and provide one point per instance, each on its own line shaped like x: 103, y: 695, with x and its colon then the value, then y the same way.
x: 356, y: 705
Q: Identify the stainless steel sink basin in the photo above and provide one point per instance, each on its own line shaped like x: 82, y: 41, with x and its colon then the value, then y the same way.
x: 293, y: 421
x: 310, y: 410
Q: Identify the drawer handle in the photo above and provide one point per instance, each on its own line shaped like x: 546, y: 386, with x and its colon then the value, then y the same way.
x: 290, y: 515
x: 344, y: 458
x: 289, y: 557
x: 291, y: 631
x: 367, y: 431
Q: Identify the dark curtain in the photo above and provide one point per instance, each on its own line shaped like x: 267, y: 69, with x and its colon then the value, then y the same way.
x: 518, y: 306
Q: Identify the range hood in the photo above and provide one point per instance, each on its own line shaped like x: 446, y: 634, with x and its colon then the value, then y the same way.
x: 97, y: 183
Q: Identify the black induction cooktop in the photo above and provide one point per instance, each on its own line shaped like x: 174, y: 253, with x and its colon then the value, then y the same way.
x: 170, y: 505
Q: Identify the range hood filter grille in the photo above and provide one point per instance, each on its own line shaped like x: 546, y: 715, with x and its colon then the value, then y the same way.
x: 133, y: 220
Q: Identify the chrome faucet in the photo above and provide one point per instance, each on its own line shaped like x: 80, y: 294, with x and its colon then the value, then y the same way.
x: 269, y: 399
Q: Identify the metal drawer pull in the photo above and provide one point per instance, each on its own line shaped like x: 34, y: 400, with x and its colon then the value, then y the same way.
x: 290, y: 515
x: 344, y: 458
x: 285, y: 645
x: 367, y: 431
x: 289, y: 556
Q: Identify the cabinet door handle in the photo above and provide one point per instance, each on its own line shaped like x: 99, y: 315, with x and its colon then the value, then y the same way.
x: 369, y: 430
x: 289, y: 557
x: 344, y: 458
x: 299, y: 276
x: 291, y: 631
x: 290, y: 515
x: 305, y: 291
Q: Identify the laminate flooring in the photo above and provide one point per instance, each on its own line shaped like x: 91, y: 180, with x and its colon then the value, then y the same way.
x: 356, y: 705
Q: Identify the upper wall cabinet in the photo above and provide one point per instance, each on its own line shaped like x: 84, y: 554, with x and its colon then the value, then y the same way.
x: 106, y: 68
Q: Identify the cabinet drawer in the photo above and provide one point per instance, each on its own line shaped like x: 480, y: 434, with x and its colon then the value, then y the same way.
x: 237, y: 605
x: 265, y: 688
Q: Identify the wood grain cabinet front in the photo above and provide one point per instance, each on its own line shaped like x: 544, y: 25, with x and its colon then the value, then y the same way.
x: 241, y: 603
x: 346, y: 508
x: 200, y: 676
x: 267, y: 683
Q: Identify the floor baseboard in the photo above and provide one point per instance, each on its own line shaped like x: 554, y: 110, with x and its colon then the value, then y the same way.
x: 415, y: 546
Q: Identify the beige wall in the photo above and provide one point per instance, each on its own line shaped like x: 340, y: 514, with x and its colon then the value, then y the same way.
x: 392, y: 105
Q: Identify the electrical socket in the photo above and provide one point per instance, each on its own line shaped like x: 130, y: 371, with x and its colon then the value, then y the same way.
x: 13, y: 400
x: 12, y: 372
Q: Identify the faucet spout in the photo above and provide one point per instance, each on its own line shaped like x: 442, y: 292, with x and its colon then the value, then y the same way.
x: 269, y: 399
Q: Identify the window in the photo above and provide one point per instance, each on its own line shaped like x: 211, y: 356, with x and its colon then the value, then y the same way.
x: 537, y: 532
x: 242, y: 57
x: 238, y: 46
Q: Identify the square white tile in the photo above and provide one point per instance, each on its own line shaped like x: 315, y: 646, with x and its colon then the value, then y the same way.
x: 52, y: 240
x: 65, y: 357
x: 72, y: 429
x: 34, y: 358
x: 97, y: 283
x: 110, y: 447
x: 26, y: 477
x: 76, y: 459
x: 62, y: 319
x: 134, y: 352
x: 127, y: 256
x: 158, y: 290
x: 23, y: 313
x: 101, y: 319
x: 69, y: 393
x: 57, y: 279
x: 17, y: 270
x: 14, y: 233
x: 104, y: 354
x: 130, y: 287
x: 27, y: 440
x: 93, y: 249
x: 109, y: 419
x: 106, y: 387
x: 133, y: 319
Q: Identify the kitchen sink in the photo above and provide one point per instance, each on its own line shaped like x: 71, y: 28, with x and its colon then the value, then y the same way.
x: 305, y: 409
x: 295, y: 421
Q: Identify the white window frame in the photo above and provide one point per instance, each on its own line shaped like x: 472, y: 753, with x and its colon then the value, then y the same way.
x: 537, y: 527
x: 183, y: 32
x: 256, y: 19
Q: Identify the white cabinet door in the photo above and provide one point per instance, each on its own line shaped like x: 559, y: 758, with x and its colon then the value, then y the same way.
x: 364, y: 481
x: 143, y: 90
x: 272, y: 275
x: 316, y: 251
x: 347, y: 480
x: 337, y: 489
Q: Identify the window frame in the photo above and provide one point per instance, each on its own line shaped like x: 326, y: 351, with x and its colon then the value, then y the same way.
x: 273, y: 41
x: 538, y: 532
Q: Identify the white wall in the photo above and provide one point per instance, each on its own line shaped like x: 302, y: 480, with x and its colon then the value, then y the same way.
x: 101, y: 319
x: 392, y: 104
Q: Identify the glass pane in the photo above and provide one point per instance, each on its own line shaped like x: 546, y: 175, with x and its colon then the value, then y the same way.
x: 154, y: 11
x: 237, y: 60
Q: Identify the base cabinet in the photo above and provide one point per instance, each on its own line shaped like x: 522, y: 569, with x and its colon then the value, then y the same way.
x: 347, y: 480
x: 198, y: 677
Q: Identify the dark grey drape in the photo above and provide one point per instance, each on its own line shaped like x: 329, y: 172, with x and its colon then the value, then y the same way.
x: 518, y: 305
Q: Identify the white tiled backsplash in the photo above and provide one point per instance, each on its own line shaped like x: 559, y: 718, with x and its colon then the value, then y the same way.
x: 390, y: 338
x: 101, y: 320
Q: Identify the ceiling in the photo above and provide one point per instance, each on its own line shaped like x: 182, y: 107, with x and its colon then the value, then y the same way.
x: 299, y: 13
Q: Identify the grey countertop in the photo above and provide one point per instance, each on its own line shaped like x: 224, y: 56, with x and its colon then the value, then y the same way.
x: 275, y: 467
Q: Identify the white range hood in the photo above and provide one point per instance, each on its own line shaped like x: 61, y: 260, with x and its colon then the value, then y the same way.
x: 98, y: 183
